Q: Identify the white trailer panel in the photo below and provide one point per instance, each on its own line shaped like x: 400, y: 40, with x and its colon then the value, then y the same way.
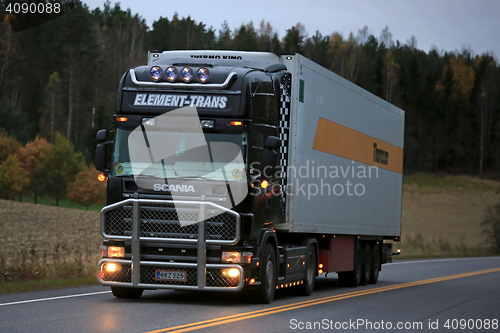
x: 345, y: 156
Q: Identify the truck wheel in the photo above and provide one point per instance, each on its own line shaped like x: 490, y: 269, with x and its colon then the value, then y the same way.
x: 306, y: 288
x: 375, y: 264
x: 353, y: 278
x: 121, y: 292
x: 367, y: 264
x: 268, y: 276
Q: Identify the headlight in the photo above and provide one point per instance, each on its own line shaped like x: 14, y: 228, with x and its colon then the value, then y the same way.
x: 155, y: 73
x: 171, y: 74
x: 116, y: 251
x: 187, y: 74
x: 203, y: 75
x: 237, y: 257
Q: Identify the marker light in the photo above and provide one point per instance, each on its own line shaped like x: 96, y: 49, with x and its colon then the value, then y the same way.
x: 121, y: 119
x: 203, y: 75
x: 171, y: 74
x: 187, y: 74
x: 320, y: 271
x: 320, y: 265
x: 264, y: 184
x: 236, y: 123
x: 155, y: 73
x: 101, y: 177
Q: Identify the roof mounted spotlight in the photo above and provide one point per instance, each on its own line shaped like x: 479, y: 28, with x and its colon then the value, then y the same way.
x: 187, y: 74
x: 155, y: 73
x: 171, y: 74
x: 203, y: 74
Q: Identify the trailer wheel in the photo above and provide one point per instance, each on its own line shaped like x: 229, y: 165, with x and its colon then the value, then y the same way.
x: 353, y: 278
x: 375, y: 264
x: 306, y: 288
x: 367, y: 264
x: 268, y: 276
x: 121, y: 292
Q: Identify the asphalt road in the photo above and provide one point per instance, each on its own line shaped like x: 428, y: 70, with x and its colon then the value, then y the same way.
x: 443, y: 295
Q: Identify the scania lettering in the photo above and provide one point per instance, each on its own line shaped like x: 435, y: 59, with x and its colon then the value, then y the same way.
x: 173, y: 188
x: 246, y: 171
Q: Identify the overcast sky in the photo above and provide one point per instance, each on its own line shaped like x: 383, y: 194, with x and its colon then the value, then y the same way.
x: 447, y: 24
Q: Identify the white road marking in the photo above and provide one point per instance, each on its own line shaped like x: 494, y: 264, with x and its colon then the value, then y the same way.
x: 54, y: 298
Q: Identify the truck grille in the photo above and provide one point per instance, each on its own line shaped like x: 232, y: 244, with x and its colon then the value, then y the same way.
x: 161, y: 220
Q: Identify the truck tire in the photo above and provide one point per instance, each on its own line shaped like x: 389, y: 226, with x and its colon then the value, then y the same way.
x: 367, y: 264
x: 375, y: 264
x: 268, y: 275
x: 121, y: 292
x: 306, y: 288
x: 353, y: 278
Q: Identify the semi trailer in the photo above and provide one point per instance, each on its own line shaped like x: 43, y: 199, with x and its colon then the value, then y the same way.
x: 234, y: 171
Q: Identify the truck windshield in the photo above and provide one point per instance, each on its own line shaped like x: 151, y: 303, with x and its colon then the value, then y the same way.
x: 179, y: 154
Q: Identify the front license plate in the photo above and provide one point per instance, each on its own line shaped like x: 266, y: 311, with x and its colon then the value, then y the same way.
x: 166, y: 275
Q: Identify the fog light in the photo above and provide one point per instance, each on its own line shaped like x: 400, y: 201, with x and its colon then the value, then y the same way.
x: 231, y: 273
x: 116, y: 251
x: 112, y: 267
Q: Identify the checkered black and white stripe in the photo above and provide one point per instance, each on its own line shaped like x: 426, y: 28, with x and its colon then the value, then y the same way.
x: 284, y: 128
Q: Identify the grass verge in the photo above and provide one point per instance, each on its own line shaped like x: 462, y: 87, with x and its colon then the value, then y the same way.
x: 46, y: 284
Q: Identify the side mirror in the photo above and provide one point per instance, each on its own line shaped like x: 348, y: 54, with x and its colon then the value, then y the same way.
x: 100, y: 156
x: 101, y: 135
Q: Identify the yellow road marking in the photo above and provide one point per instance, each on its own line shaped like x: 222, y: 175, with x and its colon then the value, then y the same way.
x: 298, y: 305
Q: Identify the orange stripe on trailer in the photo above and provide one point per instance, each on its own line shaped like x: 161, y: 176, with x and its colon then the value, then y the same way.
x: 339, y: 140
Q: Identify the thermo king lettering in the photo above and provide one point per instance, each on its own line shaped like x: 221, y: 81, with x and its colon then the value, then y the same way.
x: 199, y: 101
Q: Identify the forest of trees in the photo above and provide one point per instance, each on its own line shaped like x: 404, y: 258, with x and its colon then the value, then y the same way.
x: 62, y: 77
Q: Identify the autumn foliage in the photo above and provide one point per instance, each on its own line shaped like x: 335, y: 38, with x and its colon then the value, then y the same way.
x: 86, y: 190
